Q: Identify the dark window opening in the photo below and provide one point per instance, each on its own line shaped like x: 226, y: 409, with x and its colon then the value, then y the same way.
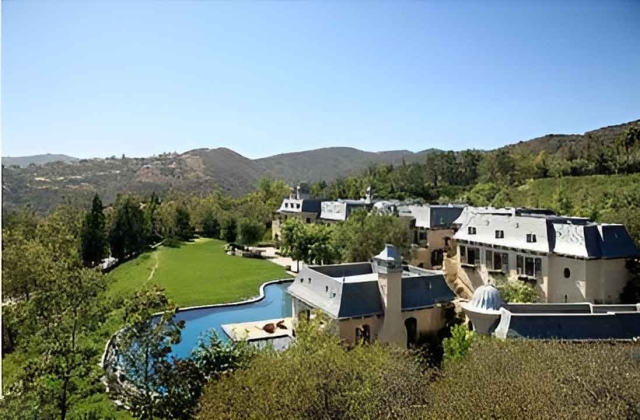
x: 529, y: 266
x: 499, y: 234
x: 411, y: 324
x: 437, y: 257
x: 567, y: 273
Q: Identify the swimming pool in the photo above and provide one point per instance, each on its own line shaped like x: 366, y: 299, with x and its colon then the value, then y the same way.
x: 275, y: 304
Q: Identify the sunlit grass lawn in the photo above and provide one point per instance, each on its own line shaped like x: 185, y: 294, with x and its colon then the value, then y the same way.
x: 196, y: 273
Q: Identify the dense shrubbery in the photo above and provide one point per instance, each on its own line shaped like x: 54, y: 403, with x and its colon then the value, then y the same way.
x: 486, y: 378
x: 518, y: 292
x: 318, y: 378
x: 543, y: 380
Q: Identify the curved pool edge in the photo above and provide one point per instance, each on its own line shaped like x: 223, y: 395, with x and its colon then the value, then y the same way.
x: 261, y: 296
x: 239, y: 303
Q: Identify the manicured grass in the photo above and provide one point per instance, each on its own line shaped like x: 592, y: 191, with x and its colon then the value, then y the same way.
x: 197, y: 273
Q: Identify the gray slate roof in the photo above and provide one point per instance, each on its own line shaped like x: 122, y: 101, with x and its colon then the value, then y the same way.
x: 307, y: 205
x: 432, y: 215
x: 351, y: 290
x: 569, y: 326
x: 576, y: 237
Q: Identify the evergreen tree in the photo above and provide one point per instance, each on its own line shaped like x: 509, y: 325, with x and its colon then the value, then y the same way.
x: 94, y: 235
x: 183, y: 230
x: 126, y: 234
x: 151, y: 227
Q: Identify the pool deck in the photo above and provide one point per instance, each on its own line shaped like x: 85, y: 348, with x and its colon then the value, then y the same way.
x: 254, y: 330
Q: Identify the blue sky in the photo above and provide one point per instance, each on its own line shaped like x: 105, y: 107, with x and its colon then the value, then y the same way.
x: 94, y: 79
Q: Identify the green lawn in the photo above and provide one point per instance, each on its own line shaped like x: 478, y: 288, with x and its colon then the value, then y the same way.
x: 197, y: 273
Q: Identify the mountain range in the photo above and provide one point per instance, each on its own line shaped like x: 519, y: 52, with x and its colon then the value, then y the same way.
x: 53, y: 178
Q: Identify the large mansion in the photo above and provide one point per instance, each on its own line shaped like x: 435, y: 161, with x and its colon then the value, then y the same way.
x: 568, y: 259
x: 380, y: 300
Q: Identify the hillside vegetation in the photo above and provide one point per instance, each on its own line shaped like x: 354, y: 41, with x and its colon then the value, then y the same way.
x: 36, y: 159
x: 430, y: 174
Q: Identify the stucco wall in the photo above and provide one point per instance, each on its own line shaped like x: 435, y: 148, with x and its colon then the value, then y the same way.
x: 605, y: 280
x: 347, y: 327
x: 480, y: 274
x: 429, y: 321
x: 436, y: 238
x: 599, y: 280
x: 422, y: 256
x: 567, y: 289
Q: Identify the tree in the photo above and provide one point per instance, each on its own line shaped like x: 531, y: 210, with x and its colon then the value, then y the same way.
x: 294, y: 241
x: 629, y: 139
x: 25, y: 263
x: 364, y: 235
x: 183, y: 380
x: 319, y: 378
x: 229, y: 230
x: 250, y: 232
x: 143, y: 349
x: 210, y: 225
x: 631, y: 292
x: 93, y: 235
x: 562, y: 203
x: 67, y: 310
x: 151, y: 225
x: 126, y: 232
x: 184, y: 230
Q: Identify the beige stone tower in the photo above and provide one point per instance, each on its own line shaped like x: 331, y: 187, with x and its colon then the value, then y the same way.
x: 389, y: 268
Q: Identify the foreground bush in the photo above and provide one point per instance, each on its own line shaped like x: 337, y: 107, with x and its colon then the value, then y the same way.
x: 318, y: 378
x: 542, y: 380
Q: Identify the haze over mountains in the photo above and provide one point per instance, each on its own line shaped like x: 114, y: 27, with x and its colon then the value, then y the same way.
x: 55, y: 177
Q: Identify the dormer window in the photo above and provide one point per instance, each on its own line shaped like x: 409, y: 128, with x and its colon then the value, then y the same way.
x: 286, y: 205
x: 531, y: 238
x: 471, y: 230
x: 298, y: 205
x: 499, y: 234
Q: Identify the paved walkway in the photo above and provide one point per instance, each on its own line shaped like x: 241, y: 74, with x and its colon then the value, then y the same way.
x: 270, y: 254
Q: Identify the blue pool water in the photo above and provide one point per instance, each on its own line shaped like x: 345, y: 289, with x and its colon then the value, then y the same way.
x: 276, y: 304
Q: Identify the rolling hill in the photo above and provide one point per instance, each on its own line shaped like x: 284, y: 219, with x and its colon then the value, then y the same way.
x: 36, y: 159
x: 60, y: 177
x: 566, y: 144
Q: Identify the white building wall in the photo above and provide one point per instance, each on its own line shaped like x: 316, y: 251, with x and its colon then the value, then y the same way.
x: 597, y: 280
